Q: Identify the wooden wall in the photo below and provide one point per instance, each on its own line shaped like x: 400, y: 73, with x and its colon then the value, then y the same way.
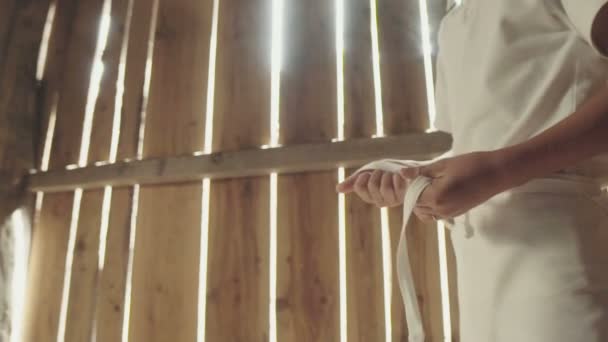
x: 193, y: 261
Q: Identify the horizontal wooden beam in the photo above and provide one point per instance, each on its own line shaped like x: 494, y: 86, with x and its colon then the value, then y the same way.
x: 288, y: 159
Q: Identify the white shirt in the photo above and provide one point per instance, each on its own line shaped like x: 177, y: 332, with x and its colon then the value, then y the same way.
x: 509, y: 69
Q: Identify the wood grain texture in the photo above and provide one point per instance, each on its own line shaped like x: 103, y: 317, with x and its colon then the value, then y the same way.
x: 75, y: 84
x: 109, y: 307
x: 7, y: 25
x: 81, y: 305
x: 85, y: 270
x: 402, y: 66
x: 112, y: 280
x: 167, y: 247
x: 453, y: 283
x: 47, y: 268
x: 365, y: 276
x: 237, y: 278
x: 245, y: 163
x: 80, y: 41
x: 101, y: 134
x: 19, y: 45
x: 308, y: 284
x: 238, y: 250
x: 53, y: 72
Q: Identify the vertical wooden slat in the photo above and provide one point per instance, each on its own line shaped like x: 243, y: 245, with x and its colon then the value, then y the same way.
x: 365, y: 290
x: 81, y: 310
x: 7, y: 18
x: 75, y: 85
x: 77, y: 20
x: 167, y: 246
x: 112, y: 280
x: 402, y: 66
x: 307, y: 281
x: 46, y: 269
x: 405, y: 110
x: 453, y: 283
x: 238, y: 264
x: 79, y: 322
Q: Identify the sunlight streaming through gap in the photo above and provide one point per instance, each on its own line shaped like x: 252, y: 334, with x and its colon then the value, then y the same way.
x: 441, y: 242
x: 275, y: 90
x: 376, y: 69
x: 276, y: 64
x: 384, y: 222
x: 387, y: 268
x: 46, y: 156
x: 206, y: 183
x: 139, y: 155
x: 427, y: 50
x: 94, y: 82
x: 341, y: 171
x: 44, y: 43
x: 21, y: 237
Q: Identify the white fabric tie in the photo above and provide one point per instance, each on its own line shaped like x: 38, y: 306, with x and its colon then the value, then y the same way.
x: 404, y: 272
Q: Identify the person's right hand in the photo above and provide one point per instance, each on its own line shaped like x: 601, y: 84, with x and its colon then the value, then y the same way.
x: 382, y: 188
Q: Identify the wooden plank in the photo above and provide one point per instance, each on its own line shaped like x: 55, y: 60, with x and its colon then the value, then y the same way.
x: 238, y: 250
x: 112, y: 280
x: 402, y: 66
x: 75, y: 84
x: 101, y: 134
x: 405, y: 110
x: 258, y: 162
x: 79, y: 324
x: 82, y: 28
x: 19, y: 46
x: 365, y: 276
x: 85, y: 269
x: 307, y: 275
x: 47, y: 268
x: 167, y: 247
x: 7, y: 26
x: 453, y: 288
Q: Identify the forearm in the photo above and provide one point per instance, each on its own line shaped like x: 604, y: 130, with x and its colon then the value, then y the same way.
x: 582, y: 135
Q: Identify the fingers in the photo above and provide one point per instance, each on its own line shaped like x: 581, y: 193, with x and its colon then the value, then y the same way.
x: 348, y: 185
x: 361, y: 187
x: 400, y: 186
x: 380, y: 188
x: 373, y: 187
x: 387, y: 189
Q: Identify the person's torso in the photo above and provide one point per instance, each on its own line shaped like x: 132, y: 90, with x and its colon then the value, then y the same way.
x: 511, y: 69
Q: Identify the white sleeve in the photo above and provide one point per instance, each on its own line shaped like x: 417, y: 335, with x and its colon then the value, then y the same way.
x: 582, y: 14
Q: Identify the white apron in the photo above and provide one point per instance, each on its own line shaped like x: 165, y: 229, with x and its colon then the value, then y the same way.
x: 532, y: 262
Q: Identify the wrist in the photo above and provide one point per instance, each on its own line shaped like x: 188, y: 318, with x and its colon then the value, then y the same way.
x: 509, y: 164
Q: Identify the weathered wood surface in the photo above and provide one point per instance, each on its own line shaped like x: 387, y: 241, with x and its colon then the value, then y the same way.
x: 76, y: 27
x: 365, y: 275
x: 239, y: 222
x: 246, y: 163
x: 167, y: 248
x: 308, y: 294
x: 110, y: 307
x: 85, y: 268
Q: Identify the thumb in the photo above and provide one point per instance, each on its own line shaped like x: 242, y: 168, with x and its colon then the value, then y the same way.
x: 348, y: 185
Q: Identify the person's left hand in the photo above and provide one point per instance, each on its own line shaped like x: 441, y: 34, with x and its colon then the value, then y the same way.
x: 458, y: 184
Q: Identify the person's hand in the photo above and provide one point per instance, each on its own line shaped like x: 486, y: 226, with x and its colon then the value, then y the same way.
x: 459, y: 184
x: 382, y: 188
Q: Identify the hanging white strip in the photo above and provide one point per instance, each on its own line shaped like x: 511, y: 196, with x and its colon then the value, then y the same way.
x: 404, y: 271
